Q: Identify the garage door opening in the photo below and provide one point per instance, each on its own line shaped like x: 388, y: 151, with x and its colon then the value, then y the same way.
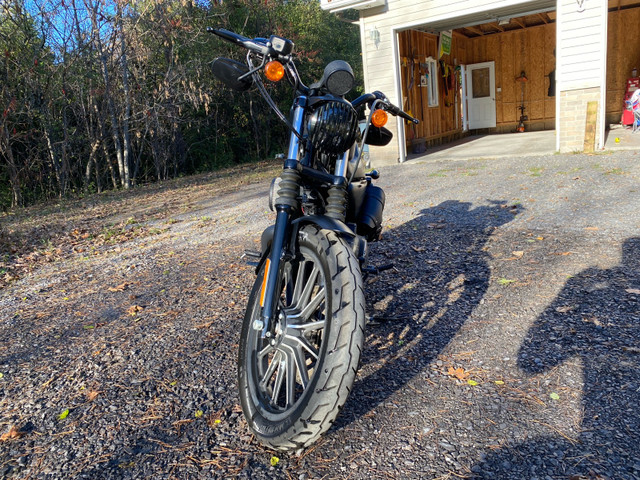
x: 623, y: 77
x: 495, y: 77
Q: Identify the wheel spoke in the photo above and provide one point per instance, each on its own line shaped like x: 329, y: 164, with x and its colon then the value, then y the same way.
x: 265, y: 351
x: 301, y: 364
x: 307, y: 327
x: 309, y: 284
x: 286, y: 278
x: 280, y: 375
x: 314, y: 303
x: 270, y: 370
x: 299, y: 282
x: 308, y: 347
x: 291, y: 378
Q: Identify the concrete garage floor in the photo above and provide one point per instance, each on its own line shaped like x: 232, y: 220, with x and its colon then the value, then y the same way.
x: 520, y: 144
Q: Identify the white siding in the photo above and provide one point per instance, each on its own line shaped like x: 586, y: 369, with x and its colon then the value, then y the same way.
x: 581, y: 52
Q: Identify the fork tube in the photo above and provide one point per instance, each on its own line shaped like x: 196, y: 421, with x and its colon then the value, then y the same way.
x: 341, y: 165
x: 298, y: 118
x: 286, y: 204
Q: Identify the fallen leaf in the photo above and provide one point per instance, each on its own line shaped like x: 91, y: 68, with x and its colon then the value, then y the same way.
x: 554, y: 396
x: 199, y: 413
x: 566, y: 308
x: 504, y: 281
x: 635, y: 291
x: 517, y: 254
x: 119, y: 288
x: 91, y: 395
x: 134, y: 309
x: 64, y: 414
x: 14, y: 432
x: 459, y: 373
x: 274, y: 461
x: 473, y: 383
x: 499, y: 382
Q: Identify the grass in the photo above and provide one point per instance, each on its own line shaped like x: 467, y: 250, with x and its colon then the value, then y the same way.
x: 615, y: 171
x: 535, y: 171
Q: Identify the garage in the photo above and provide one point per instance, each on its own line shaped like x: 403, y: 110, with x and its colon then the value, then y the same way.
x: 499, y: 66
x: 498, y: 77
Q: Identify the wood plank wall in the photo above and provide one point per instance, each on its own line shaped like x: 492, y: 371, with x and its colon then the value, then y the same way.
x: 436, y: 122
x: 531, y: 50
x: 623, y: 45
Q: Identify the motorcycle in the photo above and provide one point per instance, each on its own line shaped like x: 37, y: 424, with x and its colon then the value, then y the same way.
x: 303, y: 330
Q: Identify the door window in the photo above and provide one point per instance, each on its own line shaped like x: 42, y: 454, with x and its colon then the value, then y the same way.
x: 481, y: 82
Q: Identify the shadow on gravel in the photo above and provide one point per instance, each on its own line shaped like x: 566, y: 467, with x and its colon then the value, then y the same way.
x: 441, y: 274
x: 596, y: 318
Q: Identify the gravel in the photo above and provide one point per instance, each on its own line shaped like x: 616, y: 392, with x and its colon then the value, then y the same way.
x: 504, y: 343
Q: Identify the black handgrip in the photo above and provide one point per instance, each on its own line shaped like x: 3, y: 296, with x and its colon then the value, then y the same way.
x: 228, y: 35
x: 396, y: 111
x: 240, y: 40
x: 393, y: 110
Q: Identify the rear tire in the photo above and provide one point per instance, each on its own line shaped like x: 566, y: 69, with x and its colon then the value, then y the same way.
x: 292, y: 388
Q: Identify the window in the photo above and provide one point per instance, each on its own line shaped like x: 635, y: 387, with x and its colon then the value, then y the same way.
x: 481, y: 82
x: 432, y: 82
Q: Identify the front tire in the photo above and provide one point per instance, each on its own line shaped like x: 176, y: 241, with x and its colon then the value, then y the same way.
x: 293, y: 386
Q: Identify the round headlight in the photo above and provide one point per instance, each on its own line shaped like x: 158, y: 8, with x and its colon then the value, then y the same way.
x: 333, y: 127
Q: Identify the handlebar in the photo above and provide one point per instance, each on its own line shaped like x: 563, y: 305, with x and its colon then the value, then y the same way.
x: 274, y: 47
x: 279, y: 47
x: 369, y: 98
x: 396, y: 111
x: 245, y: 42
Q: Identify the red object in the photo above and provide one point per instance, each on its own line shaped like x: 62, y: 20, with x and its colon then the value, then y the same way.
x: 627, y: 117
x: 632, y: 85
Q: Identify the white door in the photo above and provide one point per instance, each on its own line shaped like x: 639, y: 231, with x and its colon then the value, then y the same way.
x: 481, y: 95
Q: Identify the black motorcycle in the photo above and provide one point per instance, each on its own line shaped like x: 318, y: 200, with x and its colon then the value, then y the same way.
x: 303, y: 329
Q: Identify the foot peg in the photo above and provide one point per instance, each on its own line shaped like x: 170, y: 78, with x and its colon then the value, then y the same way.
x: 251, y: 257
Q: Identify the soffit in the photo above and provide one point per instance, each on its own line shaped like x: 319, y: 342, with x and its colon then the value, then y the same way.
x: 488, y: 16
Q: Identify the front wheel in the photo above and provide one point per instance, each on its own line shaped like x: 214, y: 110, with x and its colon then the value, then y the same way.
x: 293, y: 386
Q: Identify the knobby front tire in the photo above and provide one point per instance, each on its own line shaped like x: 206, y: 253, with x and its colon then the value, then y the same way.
x: 292, y: 387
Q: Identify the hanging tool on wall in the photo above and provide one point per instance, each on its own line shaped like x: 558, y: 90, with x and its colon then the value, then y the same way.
x: 522, y: 79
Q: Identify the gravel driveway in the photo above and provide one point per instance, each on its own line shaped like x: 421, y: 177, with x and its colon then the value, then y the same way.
x: 505, y: 343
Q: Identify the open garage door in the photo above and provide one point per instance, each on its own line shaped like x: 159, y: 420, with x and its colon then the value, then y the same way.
x: 493, y: 56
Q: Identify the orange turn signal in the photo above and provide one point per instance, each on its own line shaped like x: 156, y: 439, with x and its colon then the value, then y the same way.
x: 274, y: 71
x: 379, y: 118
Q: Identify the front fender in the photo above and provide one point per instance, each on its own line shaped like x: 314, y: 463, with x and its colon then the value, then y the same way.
x: 325, y: 222
x: 322, y: 221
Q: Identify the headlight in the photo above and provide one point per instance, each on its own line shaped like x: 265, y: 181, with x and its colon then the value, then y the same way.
x: 333, y: 127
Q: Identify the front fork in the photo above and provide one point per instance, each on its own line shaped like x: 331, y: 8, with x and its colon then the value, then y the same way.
x: 286, y: 204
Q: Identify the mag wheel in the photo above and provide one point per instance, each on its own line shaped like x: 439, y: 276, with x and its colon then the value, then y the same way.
x: 293, y: 386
